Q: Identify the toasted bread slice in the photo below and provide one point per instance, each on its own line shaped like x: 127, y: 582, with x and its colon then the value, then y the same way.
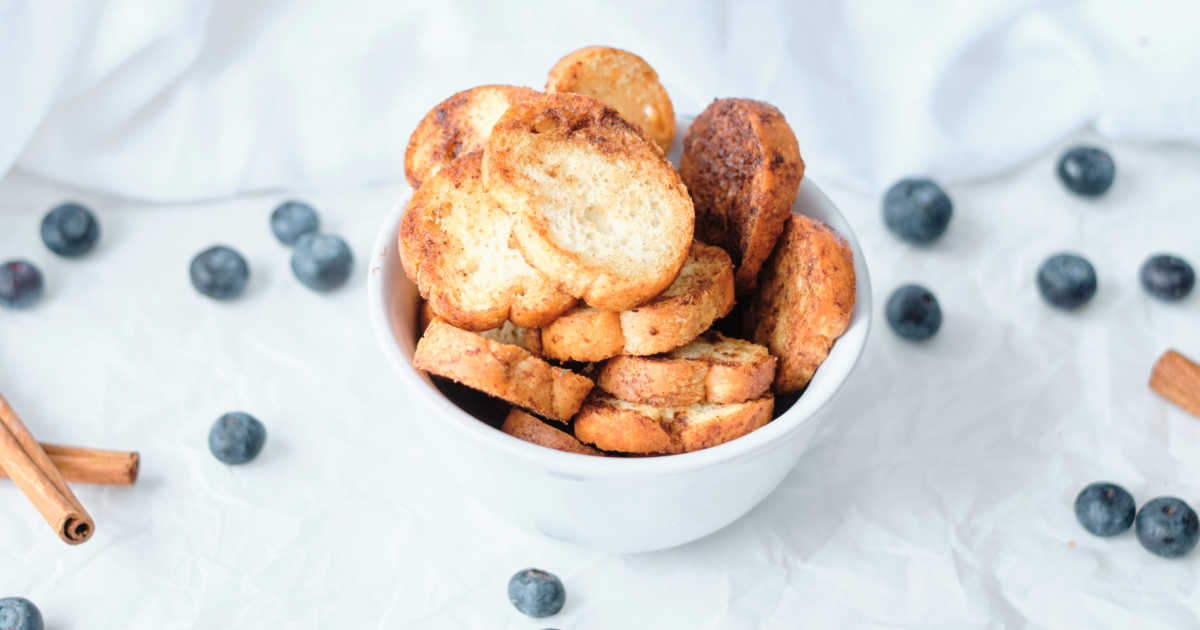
x: 700, y: 294
x: 520, y: 424
x: 584, y: 334
x: 458, y: 125
x: 624, y: 82
x: 454, y: 246
x: 596, y: 207
x: 501, y: 370
x: 804, y: 300
x: 713, y: 368
x: 616, y: 425
x: 742, y: 166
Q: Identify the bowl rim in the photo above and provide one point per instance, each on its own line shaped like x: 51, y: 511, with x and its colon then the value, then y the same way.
x: 581, y: 467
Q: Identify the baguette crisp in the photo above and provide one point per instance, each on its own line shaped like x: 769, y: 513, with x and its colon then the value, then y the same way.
x: 713, y: 368
x: 520, y: 424
x: 742, y: 165
x: 596, y: 207
x: 615, y: 425
x: 804, y: 300
x: 454, y: 245
x: 624, y: 82
x: 700, y: 294
x: 501, y: 370
x: 458, y: 125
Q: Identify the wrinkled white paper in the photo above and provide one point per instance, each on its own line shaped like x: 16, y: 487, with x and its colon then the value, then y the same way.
x: 938, y: 497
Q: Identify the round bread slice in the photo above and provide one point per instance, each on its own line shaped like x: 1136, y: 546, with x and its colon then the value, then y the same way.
x: 616, y: 425
x: 742, y: 166
x: 701, y: 294
x: 454, y: 244
x: 624, y: 82
x: 458, y: 125
x: 522, y: 425
x: 713, y: 368
x: 596, y: 206
x: 804, y: 300
x: 501, y: 370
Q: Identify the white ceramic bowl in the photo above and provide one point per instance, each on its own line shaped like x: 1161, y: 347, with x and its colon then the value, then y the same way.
x: 614, y: 504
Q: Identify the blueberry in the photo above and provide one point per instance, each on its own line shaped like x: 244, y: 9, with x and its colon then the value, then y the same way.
x: 1104, y: 509
x: 219, y: 272
x: 1087, y: 171
x: 20, y: 284
x: 236, y: 437
x: 1168, y: 277
x: 913, y: 312
x: 293, y: 219
x: 536, y: 593
x: 322, y: 261
x: 1067, y: 281
x: 70, y: 230
x: 18, y: 613
x: 917, y: 210
x: 1167, y: 527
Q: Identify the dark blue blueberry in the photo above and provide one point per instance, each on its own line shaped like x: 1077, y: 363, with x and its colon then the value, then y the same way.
x: 219, y: 272
x: 536, y: 593
x: 913, y: 312
x: 293, y: 219
x: 1087, y: 171
x: 917, y: 210
x: 236, y: 437
x: 18, y: 613
x: 322, y: 261
x: 1168, y: 277
x: 1167, y: 527
x: 1067, y: 281
x: 1105, y: 509
x: 70, y: 230
x: 20, y: 284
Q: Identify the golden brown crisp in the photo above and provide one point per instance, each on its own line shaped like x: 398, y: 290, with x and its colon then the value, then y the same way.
x: 742, y: 167
x: 454, y: 246
x: 520, y: 424
x: 615, y: 425
x: 804, y: 300
x: 458, y: 125
x: 624, y: 82
x: 713, y: 368
x: 501, y: 370
x: 700, y: 294
x: 596, y: 207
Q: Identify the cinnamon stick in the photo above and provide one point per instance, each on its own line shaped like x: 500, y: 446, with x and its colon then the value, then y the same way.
x: 91, y: 465
x: 1177, y: 378
x: 31, y: 469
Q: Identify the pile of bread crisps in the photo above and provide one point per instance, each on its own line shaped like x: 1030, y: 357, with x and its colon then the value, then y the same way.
x: 620, y: 306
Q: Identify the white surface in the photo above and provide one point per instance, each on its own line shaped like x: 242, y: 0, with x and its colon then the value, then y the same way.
x: 940, y: 498
x: 186, y: 99
x: 610, y: 504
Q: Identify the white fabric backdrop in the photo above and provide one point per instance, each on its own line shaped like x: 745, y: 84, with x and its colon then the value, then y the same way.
x: 939, y: 498
x: 185, y: 99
